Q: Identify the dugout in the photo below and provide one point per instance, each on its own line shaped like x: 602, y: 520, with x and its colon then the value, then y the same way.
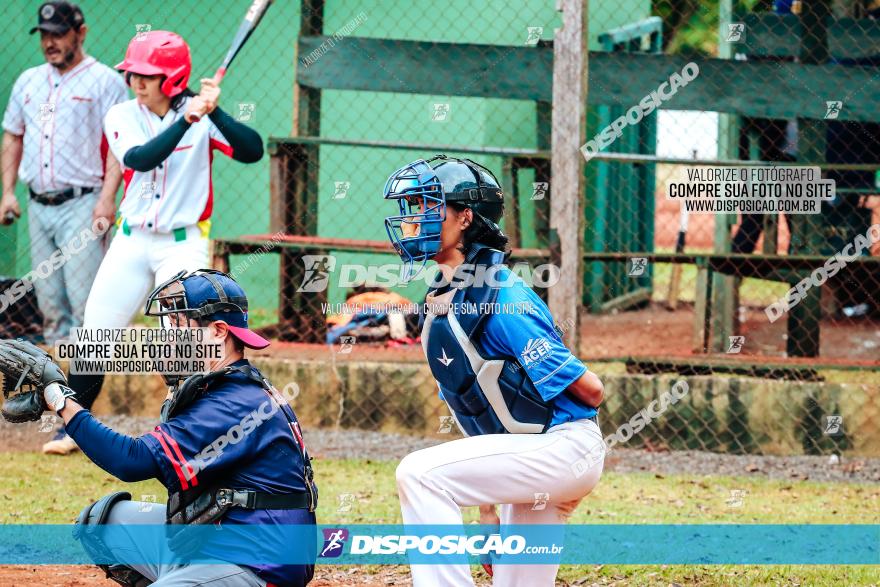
x: 822, y: 38
x: 505, y: 83
x: 625, y: 64
x: 786, y: 63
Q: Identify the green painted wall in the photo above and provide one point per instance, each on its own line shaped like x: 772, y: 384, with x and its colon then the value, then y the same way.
x: 263, y: 75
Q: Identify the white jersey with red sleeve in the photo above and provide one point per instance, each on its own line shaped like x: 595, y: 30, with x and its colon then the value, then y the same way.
x: 179, y: 191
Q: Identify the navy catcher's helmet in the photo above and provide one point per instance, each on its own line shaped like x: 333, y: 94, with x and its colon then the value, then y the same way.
x: 202, y: 296
x: 422, y: 190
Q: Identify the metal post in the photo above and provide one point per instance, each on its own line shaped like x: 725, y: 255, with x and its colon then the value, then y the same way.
x: 722, y: 287
x: 298, y: 193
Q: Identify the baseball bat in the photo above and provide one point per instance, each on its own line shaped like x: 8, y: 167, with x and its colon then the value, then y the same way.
x: 251, y: 19
x: 8, y: 219
x: 675, y: 279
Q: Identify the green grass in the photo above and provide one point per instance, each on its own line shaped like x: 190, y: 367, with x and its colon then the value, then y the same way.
x: 44, y: 491
x: 257, y: 318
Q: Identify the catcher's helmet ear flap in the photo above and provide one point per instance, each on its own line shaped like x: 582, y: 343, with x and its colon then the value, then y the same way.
x: 488, y: 210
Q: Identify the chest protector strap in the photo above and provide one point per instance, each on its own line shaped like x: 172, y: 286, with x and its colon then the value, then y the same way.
x: 208, y: 506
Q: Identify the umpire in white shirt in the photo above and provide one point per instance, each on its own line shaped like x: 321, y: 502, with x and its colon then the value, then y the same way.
x: 53, y: 141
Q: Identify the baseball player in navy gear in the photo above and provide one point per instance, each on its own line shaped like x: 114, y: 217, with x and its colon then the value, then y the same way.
x: 526, y: 404
x: 263, y: 478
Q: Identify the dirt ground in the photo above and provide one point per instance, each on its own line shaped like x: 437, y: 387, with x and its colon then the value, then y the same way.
x: 88, y: 576
x: 652, y: 331
x: 655, y: 331
x: 51, y: 576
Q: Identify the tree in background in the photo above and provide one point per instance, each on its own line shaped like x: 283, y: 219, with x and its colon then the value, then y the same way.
x: 690, y: 27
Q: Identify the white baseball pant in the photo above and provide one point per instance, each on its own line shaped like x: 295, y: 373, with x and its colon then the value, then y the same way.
x: 516, y: 470
x: 133, y: 266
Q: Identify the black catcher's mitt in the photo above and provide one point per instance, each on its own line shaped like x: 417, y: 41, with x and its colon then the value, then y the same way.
x: 27, y: 370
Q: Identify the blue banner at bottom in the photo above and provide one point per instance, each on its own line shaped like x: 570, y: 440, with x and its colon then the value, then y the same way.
x: 631, y: 544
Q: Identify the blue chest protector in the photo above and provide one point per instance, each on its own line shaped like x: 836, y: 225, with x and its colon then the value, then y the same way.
x: 487, y: 395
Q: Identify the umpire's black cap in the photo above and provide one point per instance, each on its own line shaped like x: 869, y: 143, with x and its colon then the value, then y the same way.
x: 58, y: 17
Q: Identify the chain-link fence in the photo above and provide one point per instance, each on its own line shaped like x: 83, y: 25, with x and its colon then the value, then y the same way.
x: 765, y: 284
x: 681, y: 95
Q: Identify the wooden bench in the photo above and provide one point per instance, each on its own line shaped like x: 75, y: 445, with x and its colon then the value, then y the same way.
x: 301, y: 315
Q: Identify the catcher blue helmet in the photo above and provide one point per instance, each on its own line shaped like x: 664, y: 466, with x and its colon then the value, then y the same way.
x: 422, y: 190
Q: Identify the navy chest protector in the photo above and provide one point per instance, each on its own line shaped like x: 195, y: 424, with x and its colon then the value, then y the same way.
x: 206, y: 505
x: 487, y: 394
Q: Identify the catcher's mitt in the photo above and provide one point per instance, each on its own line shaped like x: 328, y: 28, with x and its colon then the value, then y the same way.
x: 27, y: 370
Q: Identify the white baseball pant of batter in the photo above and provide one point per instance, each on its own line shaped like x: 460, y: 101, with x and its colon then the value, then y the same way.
x: 134, y: 265
x: 508, y: 469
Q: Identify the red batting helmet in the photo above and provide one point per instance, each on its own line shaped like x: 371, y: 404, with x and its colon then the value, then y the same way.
x: 159, y: 53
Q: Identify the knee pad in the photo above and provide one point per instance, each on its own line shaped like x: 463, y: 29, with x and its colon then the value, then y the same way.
x: 96, y: 514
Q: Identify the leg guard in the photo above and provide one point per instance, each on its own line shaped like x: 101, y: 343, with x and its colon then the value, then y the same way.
x: 94, y: 515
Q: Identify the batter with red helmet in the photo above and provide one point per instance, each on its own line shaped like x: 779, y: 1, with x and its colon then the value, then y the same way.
x: 164, y: 139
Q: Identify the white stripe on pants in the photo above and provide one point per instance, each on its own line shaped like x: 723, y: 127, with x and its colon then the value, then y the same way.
x: 134, y: 265
x: 436, y: 482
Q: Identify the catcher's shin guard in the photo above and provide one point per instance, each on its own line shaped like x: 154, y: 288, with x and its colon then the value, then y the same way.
x: 97, y: 514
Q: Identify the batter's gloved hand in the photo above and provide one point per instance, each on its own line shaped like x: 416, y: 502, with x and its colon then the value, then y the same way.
x: 27, y: 371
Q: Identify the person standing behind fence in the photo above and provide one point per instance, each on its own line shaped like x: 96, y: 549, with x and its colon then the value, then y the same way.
x: 53, y: 141
x: 777, y: 141
x: 165, y: 139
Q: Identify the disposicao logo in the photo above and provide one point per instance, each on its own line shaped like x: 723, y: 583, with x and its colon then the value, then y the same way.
x: 334, y: 542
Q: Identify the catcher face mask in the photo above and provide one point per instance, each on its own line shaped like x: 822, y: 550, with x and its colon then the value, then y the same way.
x: 168, y: 302
x: 415, y: 230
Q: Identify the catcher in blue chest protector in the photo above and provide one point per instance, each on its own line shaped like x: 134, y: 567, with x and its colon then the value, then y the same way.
x: 526, y: 404
x: 264, y: 478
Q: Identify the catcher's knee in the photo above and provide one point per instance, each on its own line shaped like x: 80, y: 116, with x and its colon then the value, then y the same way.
x: 409, y: 472
x: 95, y: 515
x: 403, y: 473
